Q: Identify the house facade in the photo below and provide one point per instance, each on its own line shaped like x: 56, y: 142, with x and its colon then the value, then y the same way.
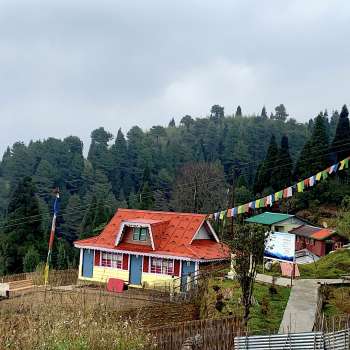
x: 317, y: 240
x: 277, y: 222
x: 150, y: 248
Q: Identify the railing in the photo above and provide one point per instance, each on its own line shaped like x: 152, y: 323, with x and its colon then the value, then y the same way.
x: 338, y: 340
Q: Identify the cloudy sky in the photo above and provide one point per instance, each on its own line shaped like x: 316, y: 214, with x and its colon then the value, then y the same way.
x: 67, y: 67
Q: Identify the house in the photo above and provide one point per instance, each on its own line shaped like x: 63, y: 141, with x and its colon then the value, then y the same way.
x: 145, y: 248
x: 277, y: 222
x: 317, y: 240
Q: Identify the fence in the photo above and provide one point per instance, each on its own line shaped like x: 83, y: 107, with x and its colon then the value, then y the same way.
x: 56, y: 277
x: 210, y: 334
x: 339, y: 340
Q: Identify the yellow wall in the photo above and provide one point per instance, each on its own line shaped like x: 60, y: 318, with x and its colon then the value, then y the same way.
x: 101, y: 274
x: 155, y: 280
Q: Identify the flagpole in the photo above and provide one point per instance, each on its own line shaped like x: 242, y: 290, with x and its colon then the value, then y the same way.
x: 52, y: 236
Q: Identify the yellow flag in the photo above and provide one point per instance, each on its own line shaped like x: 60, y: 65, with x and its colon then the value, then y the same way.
x: 318, y: 176
x: 46, y: 274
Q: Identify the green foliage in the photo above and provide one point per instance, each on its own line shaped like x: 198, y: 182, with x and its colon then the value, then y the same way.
x: 333, y: 265
x: 248, y: 245
x: 31, y: 260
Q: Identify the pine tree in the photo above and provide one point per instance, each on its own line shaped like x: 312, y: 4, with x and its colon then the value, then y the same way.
x: 340, y: 147
x: 172, y: 123
x: 26, y: 233
x: 217, y: 113
x: 281, y: 113
x: 282, y: 173
x: 263, y: 178
x: 264, y: 113
x: 314, y: 156
x: 120, y: 170
x: 72, y: 216
x: 87, y: 224
x: 239, y: 111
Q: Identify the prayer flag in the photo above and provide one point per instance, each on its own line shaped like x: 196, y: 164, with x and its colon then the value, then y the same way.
x: 257, y: 204
x: 222, y: 215
x: 324, y: 174
x: 300, y: 186
x: 312, y: 180
x: 234, y: 211
x: 318, y: 176
x: 229, y: 213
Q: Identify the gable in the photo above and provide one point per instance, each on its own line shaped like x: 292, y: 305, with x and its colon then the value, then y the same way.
x: 205, y: 232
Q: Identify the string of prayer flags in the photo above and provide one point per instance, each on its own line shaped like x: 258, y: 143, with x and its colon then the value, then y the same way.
x: 286, y: 193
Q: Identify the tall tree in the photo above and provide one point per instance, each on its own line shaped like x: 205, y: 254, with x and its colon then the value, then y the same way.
x: 217, y: 113
x: 263, y: 178
x: 187, y: 121
x: 72, y: 217
x: 239, y: 111
x: 22, y: 234
x: 194, y: 192
x: 99, y: 154
x: 283, y: 170
x: 314, y: 157
x: 248, y: 244
x: 172, y: 123
x: 281, y: 113
x: 340, y: 147
x: 263, y: 114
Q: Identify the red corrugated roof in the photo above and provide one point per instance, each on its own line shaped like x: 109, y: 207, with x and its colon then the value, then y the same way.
x: 172, y: 235
x: 322, y: 234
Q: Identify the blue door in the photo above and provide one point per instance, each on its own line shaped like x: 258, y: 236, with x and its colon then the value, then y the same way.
x: 135, y: 269
x: 88, y: 262
x: 188, y: 267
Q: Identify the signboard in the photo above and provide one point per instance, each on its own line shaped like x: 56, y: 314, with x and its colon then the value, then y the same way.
x: 280, y: 246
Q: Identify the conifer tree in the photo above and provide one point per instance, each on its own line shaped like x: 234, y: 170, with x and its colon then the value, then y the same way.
x: 264, y: 113
x: 340, y: 147
x: 239, y: 111
x: 263, y: 178
x: 72, y: 216
x: 26, y: 233
x: 283, y: 170
x: 314, y: 156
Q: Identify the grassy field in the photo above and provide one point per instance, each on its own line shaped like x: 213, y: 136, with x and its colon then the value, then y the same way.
x: 266, y: 313
x: 67, y: 321
x: 333, y: 265
x: 337, y: 301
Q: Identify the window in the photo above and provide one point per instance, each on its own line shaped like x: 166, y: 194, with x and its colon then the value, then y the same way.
x: 112, y: 260
x: 140, y: 234
x: 163, y: 266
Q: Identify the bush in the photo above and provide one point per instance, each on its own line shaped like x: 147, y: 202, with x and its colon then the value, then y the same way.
x: 31, y: 260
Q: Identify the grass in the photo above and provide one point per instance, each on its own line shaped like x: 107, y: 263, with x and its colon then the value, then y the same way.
x: 333, y: 265
x: 52, y: 322
x: 266, y: 313
x: 337, y: 301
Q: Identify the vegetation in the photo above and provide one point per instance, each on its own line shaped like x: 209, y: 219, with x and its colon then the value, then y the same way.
x: 60, y: 322
x: 337, y: 301
x: 189, y: 167
x: 333, y: 265
x: 247, y: 244
x: 266, y: 312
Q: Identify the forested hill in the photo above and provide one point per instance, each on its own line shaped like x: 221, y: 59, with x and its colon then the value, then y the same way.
x: 160, y: 168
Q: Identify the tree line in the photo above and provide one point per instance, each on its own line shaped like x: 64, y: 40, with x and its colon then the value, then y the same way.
x: 186, y: 167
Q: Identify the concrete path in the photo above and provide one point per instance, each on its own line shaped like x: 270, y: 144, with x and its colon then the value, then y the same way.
x: 279, y: 281
x: 299, y: 315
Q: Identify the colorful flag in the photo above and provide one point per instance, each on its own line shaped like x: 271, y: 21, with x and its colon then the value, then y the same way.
x: 216, y: 216
x: 306, y: 182
x: 229, y: 213
x: 257, y: 204
x: 319, y: 176
x: 344, y: 164
x: 324, y: 174
x: 240, y: 209
x: 234, y: 211
x: 333, y: 168
x: 312, y: 180
x: 222, y: 214
x: 300, y: 186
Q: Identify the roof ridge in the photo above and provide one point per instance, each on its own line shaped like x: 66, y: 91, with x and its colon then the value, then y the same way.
x: 160, y: 212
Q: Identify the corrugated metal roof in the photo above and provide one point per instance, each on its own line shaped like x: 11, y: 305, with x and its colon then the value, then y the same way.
x: 172, y: 235
x: 268, y: 218
x: 305, y: 230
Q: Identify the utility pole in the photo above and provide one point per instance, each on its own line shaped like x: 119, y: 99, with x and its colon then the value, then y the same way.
x: 52, y: 236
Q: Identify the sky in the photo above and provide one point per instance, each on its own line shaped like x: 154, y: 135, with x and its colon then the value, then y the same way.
x: 68, y: 67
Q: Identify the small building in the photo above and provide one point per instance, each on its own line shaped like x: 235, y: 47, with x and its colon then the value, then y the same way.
x: 145, y: 248
x: 317, y: 240
x: 277, y: 222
